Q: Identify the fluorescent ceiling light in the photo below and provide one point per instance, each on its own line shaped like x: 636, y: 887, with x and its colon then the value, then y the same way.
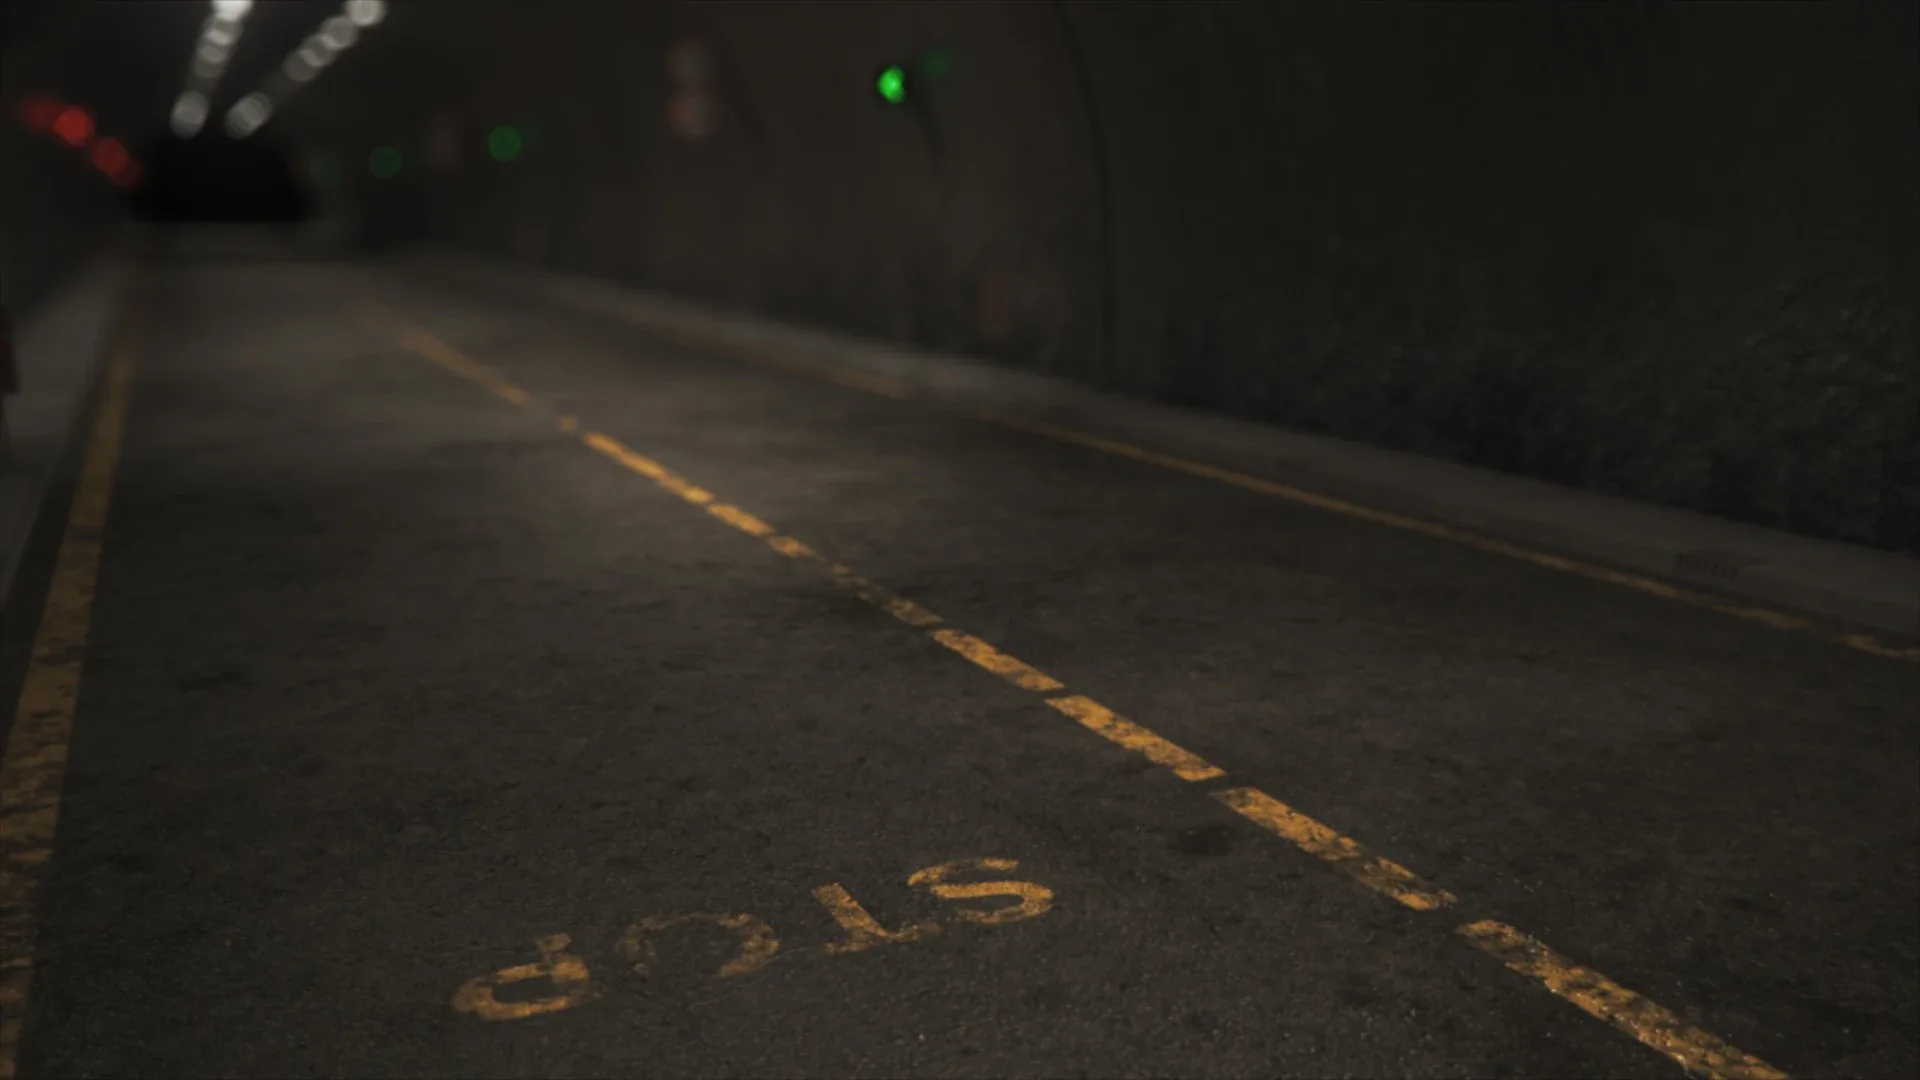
x: 189, y: 114
x: 335, y: 36
x: 366, y: 12
x: 339, y: 32
x: 219, y: 36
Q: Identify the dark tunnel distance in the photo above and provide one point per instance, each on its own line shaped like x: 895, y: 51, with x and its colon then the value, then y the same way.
x: 213, y: 178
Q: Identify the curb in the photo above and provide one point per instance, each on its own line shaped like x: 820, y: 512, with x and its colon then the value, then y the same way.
x: 119, y: 274
x: 1843, y: 582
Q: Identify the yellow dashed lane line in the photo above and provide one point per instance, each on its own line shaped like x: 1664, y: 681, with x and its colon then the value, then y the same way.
x: 34, y: 767
x: 1695, y: 1050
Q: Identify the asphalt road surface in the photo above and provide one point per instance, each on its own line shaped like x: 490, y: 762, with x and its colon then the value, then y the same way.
x: 466, y: 688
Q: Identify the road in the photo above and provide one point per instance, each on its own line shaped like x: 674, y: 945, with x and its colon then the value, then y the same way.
x: 466, y: 687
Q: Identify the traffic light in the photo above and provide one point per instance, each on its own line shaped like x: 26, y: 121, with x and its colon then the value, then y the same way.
x: 902, y: 83
x: 891, y: 84
x: 384, y: 162
x: 505, y: 143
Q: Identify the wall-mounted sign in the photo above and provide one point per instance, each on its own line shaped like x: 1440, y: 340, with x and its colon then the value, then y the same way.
x: 996, y: 306
x: 692, y: 115
x: 693, y: 105
x: 443, y: 142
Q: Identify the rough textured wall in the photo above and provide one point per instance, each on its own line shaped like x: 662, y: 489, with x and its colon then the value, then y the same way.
x: 1663, y: 251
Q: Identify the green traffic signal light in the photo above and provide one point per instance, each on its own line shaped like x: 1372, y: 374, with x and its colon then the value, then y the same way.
x: 384, y: 162
x: 505, y: 143
x: 892, y: 85
x: 326, y: 171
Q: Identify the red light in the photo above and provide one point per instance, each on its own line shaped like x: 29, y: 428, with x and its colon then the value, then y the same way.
x: 39, y: 113
x: 74, y: 126
x: 127, y: 175
x: 109, y: 156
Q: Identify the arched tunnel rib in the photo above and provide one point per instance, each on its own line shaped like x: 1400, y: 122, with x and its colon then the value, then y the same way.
x: 959, y: 539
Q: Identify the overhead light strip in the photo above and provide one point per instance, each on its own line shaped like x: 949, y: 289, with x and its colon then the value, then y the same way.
x: 304, y: 64
x: 219, y: 37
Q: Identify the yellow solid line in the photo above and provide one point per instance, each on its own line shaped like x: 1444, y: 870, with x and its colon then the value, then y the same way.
x: 1780, y: 620
x: 1695, y: 1050
x: 1110, y: 725
x: 991, y: 659
x: 1776, y: 619
x: 35, y: 764
x: 1381, y: 875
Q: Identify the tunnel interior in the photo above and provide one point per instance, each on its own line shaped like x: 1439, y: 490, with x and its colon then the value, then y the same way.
x: 218, y: 179
x: 960, y: 539
x: 1655, y: 251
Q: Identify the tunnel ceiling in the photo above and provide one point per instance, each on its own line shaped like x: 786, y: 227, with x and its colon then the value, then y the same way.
x: 128, y: 61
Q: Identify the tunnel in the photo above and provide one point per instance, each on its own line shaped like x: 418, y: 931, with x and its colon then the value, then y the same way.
x: 957, y: 538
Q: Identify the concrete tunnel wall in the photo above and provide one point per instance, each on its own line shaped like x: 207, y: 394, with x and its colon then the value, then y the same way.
x: 1667, y: 252
x: 56, y: 211
x: 53, y: 216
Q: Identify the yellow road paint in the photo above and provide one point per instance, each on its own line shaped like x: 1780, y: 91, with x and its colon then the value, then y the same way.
x: 740, y: 519
x: 1871, y: 644
x: 567, y: 972
x: 758, y: 945
x: 862, y: 929
x: 1695, y: 1050
x: 1381, y: 875
x: 794, y: 549
x: 1110, y: 725
x: 698, y: 496
x: 34, y: 768
x: 453, y: 360
x: 639, y: 463
x: 1035, y: 900
x: 897, y: 606
x: 1314, y: 837
x: 986, y: 656
x: 648, y: 468
x: 1652, y: 587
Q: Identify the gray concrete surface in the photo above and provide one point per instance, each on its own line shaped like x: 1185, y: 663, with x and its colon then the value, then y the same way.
x: 389, y: 678
x: 1840, y: 581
